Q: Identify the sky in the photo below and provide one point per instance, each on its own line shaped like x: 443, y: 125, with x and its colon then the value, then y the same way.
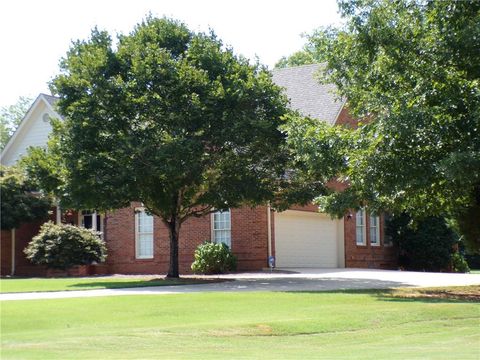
x: 36, y: 34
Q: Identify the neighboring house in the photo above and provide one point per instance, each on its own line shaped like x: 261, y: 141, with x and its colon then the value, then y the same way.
x: 298, y: 237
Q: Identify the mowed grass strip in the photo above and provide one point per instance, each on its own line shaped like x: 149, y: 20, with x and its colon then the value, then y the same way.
x: 15, y: 285
x: 340, y: 325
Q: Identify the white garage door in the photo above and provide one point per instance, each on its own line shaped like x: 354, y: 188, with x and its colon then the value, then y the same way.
x: 305, y: 239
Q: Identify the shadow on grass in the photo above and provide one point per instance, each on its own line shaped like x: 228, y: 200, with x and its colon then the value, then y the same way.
x: 140, y: 283
x: 463, y: 294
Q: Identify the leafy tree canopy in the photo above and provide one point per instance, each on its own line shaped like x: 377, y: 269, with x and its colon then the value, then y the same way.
x: 312, y: 52
x: 168, y: 117
x: 19, y: 203
x: 411, y: 70
x: 10, y: 118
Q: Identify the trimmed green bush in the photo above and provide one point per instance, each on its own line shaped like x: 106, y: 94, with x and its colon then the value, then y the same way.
x: 64, y: 246
x: 459, y: 264
x: 212, y: 258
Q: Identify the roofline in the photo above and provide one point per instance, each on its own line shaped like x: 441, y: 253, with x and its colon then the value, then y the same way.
x: 339, y: 112
x: 40, y: 97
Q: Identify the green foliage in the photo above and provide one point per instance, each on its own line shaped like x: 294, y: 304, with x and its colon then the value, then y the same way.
x: 20, y: 203
x: 313, y: 51
x: 10, y: 118
x: 459, y: 264
x: 213, y: 258
x: 423, y: 246
x: 45, y: 167
x: 63, y: 246
x: 411, y: 70
x: 168, y: 117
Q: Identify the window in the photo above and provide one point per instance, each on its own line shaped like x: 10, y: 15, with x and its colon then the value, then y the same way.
x: 387, y: 238
x: 222, y: 231
x: 143, y: 235
x: 374, y: 230
x: 360, y: 227
x: 87, y: 219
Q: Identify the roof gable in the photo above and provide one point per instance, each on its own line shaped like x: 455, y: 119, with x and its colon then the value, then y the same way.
x: 32, y: 131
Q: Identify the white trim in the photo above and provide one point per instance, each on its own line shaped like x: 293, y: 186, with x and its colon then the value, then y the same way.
x: 377, y: 229
x: 26, y: 119
x: 94, y: 214
x: 139, y: 211
x: 229, y: 228
x: 58, y: 215
x: 339, y: 112
x: 364, y: 227
x: 94, y: 221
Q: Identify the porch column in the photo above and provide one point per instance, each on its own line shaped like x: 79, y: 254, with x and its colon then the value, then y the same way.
x: 58, y: 219
x: 94, y: 221
x: 269, y: 230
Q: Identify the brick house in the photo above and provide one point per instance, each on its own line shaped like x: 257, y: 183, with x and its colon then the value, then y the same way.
x: 138, y: 243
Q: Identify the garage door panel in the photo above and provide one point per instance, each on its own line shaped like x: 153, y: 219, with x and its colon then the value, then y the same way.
x: 305, y: 239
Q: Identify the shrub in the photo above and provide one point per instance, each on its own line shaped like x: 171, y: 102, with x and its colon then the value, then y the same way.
x: 427, y: 246
x: 459, y: 264
x: 212, y: 258
x: 64, y: 246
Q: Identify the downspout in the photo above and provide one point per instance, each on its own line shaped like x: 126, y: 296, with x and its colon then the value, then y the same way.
x: 12, y: 271
x: 269, y: 230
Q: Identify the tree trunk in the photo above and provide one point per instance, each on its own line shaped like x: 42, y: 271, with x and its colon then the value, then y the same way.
x: 174, y: 232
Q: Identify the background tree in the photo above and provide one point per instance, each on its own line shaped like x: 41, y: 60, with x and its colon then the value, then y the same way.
x: 413, y: 69
x: 311, y: 53
x: 428, y: 246
x: 19, y: 203
x: 10, y: 118
x: 170, y: 118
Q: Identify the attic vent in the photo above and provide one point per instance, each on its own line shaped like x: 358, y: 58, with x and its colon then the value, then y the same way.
x: 46, y: 118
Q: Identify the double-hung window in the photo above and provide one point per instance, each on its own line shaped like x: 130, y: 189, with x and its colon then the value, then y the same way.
x: 360, y: 227
x: 374, y: 230
x: 143, y: 235
x: 222, y: 229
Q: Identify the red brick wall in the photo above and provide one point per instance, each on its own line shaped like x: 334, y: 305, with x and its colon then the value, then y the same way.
x: 250, y: 237
x: 345, y: 119
x: 249, y: 241
x: 5, y: 252
x: 367, y: 256
x: 23, y: 235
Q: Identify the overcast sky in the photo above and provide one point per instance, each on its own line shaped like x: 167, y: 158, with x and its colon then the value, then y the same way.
x: 35, y: 34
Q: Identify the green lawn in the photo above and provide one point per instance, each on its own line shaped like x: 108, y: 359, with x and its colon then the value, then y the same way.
x: 85, y: 283
x: 340, y: 325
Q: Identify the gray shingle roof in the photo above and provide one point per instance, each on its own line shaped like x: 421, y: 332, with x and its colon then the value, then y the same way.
x: 306, y: 94
x: 51, y: 99
x: 304, y: 91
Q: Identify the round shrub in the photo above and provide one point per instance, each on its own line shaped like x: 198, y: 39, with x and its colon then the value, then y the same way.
x: 64, y: 246
x: 213, y: 258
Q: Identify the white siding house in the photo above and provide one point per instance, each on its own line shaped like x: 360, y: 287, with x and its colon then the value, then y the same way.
x: 32, y: 131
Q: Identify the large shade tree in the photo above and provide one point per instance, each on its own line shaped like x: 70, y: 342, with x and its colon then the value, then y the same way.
x: 168, y: 117
x: 411, y: 70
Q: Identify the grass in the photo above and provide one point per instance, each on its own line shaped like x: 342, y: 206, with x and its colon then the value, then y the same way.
x: 11, y: 285
x: 399, y: 324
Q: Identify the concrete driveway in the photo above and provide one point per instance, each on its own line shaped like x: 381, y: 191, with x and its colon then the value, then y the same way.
x: 282, y: 280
